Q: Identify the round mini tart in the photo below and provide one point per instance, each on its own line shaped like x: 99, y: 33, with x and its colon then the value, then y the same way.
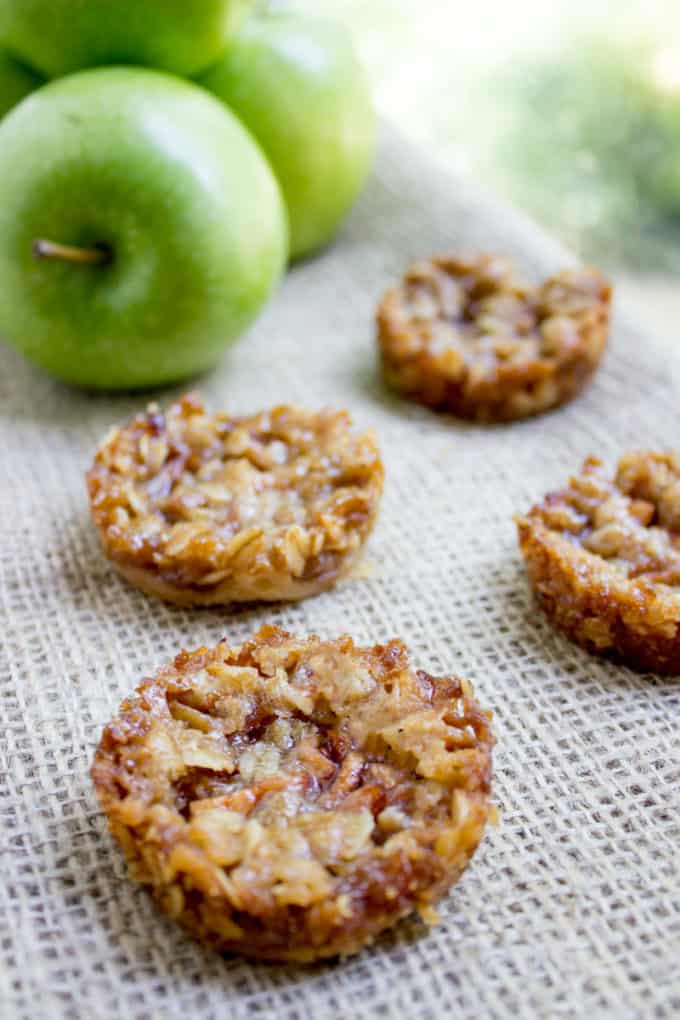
x: 603, y: 558
x: 203, y: 509
x: 288, y: 799
x: 461, y: 333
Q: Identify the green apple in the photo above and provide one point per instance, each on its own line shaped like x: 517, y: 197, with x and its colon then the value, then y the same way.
x: 58, y: 37
x: 16, y: 81
x: 297, y: 85
x: 141, y: 228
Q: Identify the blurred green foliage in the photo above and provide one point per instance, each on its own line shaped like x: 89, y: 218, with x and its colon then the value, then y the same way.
x: 588, y: 140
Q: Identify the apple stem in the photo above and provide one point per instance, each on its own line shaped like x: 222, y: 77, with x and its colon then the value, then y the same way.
x: 97, y: 255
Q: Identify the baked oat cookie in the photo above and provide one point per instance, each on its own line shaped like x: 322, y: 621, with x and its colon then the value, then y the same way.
x: 603, y: 557
x: 288, y: 799
x: 462, y: 333
x: 203, y: 509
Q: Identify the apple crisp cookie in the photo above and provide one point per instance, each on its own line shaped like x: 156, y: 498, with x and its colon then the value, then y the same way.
x: 290, y: 798
x: 603, y: 557
x: 462, y: 333
x: 203, y: 509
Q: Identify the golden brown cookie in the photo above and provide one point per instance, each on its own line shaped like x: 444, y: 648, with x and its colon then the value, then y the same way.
x: 288, y: 799
x: 462, y: 333
x: 204, y: 509
x: 603, y: 557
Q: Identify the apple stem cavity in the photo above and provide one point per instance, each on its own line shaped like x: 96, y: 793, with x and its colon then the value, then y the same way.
x: 97, y: 255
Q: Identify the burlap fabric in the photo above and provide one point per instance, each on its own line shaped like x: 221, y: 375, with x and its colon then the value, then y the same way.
x: 572, y: 906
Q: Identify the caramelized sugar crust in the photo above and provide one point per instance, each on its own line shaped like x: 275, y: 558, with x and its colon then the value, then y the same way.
x: 214, y: 509
x: 462, y: 333
x: 603, y: 557
x: 290, y: 798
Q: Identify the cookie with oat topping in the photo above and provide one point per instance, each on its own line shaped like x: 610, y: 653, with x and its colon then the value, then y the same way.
x: 203, y: 509
x: 290, y: 798
x: 462, y: 333
x: 603, y: 558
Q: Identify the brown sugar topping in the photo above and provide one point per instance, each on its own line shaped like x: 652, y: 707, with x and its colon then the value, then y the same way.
x: 201, y: 508
x: 604, y: 558
x: 290, y: 798
x: 462, y: 333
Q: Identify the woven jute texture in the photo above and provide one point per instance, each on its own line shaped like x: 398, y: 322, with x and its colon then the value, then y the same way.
x: 571, y: 907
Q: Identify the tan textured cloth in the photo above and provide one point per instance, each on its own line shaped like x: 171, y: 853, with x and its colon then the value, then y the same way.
x: 572, y: 906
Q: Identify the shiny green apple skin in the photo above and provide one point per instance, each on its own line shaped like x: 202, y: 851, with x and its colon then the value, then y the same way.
x: 16, y: 82
x: 159, y: 172
x: 57, y: 37
x: 298, y: 87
